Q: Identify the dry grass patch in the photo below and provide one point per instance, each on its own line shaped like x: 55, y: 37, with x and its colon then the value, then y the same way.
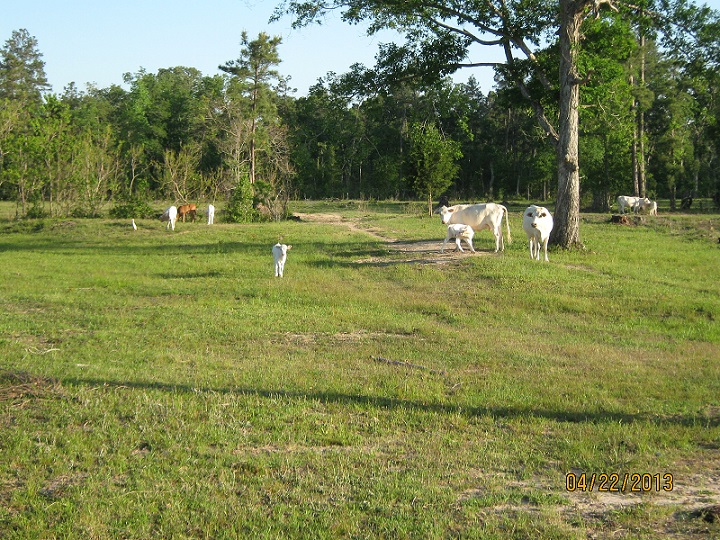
x: 22, y: 387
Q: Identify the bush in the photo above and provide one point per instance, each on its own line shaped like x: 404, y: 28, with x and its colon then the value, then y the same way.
x: 36, y: 211
x: 133, y: 208
x: 240, y: 207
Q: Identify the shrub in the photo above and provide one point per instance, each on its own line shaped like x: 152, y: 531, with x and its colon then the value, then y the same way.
x: 240, y: 207
x: 36, y: 211
x: 133, y: 208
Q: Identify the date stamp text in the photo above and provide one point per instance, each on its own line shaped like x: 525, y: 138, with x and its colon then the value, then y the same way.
x: 619, y: 482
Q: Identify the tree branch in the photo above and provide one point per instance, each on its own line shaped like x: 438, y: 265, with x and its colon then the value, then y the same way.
x: 546, y: 125
x: 465, y: 33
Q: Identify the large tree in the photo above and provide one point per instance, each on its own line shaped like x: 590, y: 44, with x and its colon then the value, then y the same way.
x: 22, y: 70
x: 442, y: 35
x: 22, y: 85
x: 255, y: 68
x: 431, y: 161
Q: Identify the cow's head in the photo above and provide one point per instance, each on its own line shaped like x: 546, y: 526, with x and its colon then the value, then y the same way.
x: 445, y: 214
x: 534, y: 214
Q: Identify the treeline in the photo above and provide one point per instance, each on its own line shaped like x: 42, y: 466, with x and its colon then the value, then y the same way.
x: 242, y: 137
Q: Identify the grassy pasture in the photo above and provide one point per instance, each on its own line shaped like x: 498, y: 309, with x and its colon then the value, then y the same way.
x: 159, y: 384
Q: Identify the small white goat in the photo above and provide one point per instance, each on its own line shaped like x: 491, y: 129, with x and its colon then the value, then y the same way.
x: 458, y: 231
x: 211, y: 214
x: 280, y: 254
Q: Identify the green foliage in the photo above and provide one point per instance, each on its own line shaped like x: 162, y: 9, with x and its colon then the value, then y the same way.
x: 22, y: 70
x: 178, y: 134
x: 254, y: 71
x: 607, y: 117
x: 37, y: 211
x: 432, y: 160
x: 133, y: 208
x: 240, y: 208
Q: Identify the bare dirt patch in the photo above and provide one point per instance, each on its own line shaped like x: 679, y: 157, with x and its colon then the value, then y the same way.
x: 419, y: 252
x: 319, y: 218
x: 339, y: 337
x: 415, y: 252
x: 18, y: 386
x: 350, y: 223
x: 693, y: 497
x: 689, y: 490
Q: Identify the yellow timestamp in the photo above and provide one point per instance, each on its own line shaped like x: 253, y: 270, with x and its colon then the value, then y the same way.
x: 619, y: 482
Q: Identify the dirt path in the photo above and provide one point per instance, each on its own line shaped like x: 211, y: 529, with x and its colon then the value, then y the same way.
x: 417, y: 252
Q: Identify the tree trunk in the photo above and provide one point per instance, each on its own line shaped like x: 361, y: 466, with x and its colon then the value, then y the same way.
x: 492, y: 181
x: 635, y: 166
x: 641, y: 122
x: 567, y: 211
x: 253, y: 125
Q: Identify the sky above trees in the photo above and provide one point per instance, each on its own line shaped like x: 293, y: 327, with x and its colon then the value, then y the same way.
x: 97, y: 42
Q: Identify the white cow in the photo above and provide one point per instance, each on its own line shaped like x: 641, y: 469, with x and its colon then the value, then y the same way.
x: 479, y: 217
x: 458, y: 231
x: 646, y: 205
x: 280, y: 254
x: 211, y: 214
x: 170, y: 215
x: 537, y: 223
x: 624, y: 201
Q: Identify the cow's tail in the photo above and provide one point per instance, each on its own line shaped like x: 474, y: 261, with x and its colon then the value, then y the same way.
x: 507, y: 224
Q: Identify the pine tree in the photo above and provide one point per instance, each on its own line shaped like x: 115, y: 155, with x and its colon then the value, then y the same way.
x: 255, y: 68
x: 22, y: 70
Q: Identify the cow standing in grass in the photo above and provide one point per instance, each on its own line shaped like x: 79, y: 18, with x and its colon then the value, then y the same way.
x: 624, y: 201
x: 646, y: 205
x: 170, y: 215
x: 537, y: 223
x: 479, y: 217
x: 458, y: 231
x: 279, y: 252
x: 187, y: 210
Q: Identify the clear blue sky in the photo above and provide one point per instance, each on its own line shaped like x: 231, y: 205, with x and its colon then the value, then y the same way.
x: 96, y: 41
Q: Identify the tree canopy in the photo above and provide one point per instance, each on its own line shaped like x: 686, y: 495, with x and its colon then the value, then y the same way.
x: 440, y: 37
x: 379, y: 132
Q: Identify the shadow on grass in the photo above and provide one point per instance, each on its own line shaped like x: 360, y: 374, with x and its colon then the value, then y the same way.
x: 62, y: 246
x: 591, y: 417
x: 191, y: 275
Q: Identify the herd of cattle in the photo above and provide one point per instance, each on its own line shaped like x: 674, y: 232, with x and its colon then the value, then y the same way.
x: 462, y: 220
x: 172, y: 214
x: 638, y: 204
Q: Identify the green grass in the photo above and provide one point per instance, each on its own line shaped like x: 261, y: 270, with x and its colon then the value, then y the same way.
x: 159, y: 384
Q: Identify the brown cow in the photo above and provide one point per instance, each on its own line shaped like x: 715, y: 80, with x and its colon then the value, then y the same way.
x: 187, y: 209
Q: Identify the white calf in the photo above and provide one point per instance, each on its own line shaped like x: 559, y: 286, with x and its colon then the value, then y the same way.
x: 170, y: 215
x: 537, y: 223
x: 624, y: 201
x: 280, y: 254
x: 458, y: 231
x: 479, y: 217
x: 211, y: 214
x: 646, y: 205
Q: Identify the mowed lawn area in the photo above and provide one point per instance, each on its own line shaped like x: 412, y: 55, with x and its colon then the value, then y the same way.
x: 159, y: 384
